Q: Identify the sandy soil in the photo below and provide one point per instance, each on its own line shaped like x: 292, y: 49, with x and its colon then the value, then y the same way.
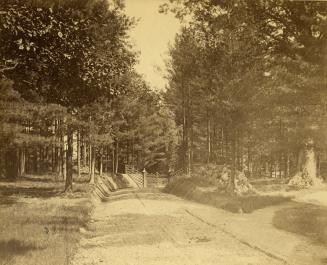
x: 156, y: 228
x: 316, y: 197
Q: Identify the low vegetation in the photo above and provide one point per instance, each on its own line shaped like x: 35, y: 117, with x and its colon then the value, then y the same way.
x: 39, y: 224
x: 199, y: 191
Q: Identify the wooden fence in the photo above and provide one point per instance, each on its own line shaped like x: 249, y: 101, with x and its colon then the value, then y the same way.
x: 153, y: 179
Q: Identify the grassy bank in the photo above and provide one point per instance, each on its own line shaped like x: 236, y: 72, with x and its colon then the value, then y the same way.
x: 39, y: 224
x: 199, y: 191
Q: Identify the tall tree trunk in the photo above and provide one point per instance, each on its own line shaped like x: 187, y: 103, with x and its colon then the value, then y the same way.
x: 59, y: 162
x: 249, y: 162
x: 113, y: 160
x: 108, y: 159
x: 208, y: 138
x: 70, y: 150
x: 27, y: 161
x: 280, y: 162
x: 53, y: 159
x: 191, y: 134
x: 185, y: 133
x: 21, y: 171
x: 288, y: 164
x: 222, y: 144
x: 92, y: 166
x: 41, y: 160
x: 266, y: 168
x: 226, y: 158
x: 318, y: 166
x: 58, y: 151
x: 271, y: 166
x: 231, y: 184
x: 84, y: 152
x: 36, y: 161
x: 90, y: 159
x: 101, y: 165
x: 78, y: 154
x: 117, y: 157
x: 63, y: 158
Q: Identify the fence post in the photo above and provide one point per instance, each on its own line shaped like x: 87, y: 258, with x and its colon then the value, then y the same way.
x: 144, y: 178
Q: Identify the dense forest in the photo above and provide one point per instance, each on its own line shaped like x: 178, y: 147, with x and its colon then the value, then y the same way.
x: 247, y: 83
x: 246, y: 88
x: 70, y: 98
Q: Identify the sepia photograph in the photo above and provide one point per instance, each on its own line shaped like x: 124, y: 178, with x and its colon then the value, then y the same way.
x: 163, y: 132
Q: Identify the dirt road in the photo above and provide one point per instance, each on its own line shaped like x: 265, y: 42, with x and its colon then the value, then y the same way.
x: 154, y: 228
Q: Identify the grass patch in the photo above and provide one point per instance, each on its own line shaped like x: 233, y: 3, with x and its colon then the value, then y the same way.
x: 304, y: 219
x: 188, y: 188
x: 38, y: 225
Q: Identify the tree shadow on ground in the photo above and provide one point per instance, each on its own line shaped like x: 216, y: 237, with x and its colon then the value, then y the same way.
x: 7, y: 200
x: 35, y: 192
x: 304, y: 219
x: 11, y: 248
x: 30, y: 178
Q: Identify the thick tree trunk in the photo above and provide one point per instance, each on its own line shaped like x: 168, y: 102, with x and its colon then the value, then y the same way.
x: 69, y: 159
x: 306, y: 175
x: 310, y: 163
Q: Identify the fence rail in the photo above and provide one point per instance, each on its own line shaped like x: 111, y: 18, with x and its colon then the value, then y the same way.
x: 177, y: 173
x: 156, y: 180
